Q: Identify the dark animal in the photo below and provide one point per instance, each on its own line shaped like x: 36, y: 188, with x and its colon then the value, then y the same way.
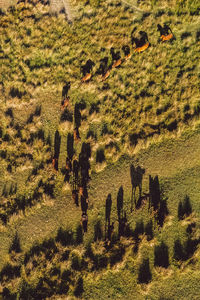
x: 165, y: 32
x: 68, y: 164
x: 116, y: 58
x: 86, y: 70
x: 140, y: 41
x: 55, y: 163
x: 103, y: 67
x: 65, y: 103
x: 76, y: 134
x: 127, y: 52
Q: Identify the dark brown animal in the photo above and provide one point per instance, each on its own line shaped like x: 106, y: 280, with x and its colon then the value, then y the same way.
x: 76, y: 134
x: 55, y: 163
x: 165, y: 33
x: 140, y: 41
x: 65, y: 103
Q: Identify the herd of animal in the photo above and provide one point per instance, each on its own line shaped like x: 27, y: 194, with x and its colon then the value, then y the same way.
x: 140, y: 43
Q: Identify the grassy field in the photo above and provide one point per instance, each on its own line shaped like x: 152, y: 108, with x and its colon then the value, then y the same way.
x: 146, y: 114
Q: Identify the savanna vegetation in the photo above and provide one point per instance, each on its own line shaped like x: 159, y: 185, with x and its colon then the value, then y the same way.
x: 99, y: 151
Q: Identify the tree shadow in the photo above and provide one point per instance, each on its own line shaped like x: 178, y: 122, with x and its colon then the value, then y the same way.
x: 154, y: 192
x: 149, y: 230
x: 162, y: 212
x: 98, y: 233
x: 144, y: 272
x: 66, y: 116
x: 178, y: 250
x: 65, y: 89
x: 57, y: 141
x: 184, y: 208
x: 161, y: 255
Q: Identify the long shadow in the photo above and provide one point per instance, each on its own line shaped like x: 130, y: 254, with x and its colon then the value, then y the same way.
x: 70, y: 146
x: 154, y: 192
x: 136, y: 181
x: 121, y: 220
x: 77, y: 116
x: 57, y: 141
x: 107, y: 216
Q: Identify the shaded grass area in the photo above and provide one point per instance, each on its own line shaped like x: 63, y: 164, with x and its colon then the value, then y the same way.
x: 111, y: 282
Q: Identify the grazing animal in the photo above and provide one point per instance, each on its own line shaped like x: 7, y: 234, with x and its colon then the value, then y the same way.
x: 165, y: 32
x: 127, y: 53
x: 141, y: 41
x: 86, y: 78
x: 75, y: 196
x: 76, y: 134
x: 103, y: 67
x: 55, y: 163
x: 68, y: 164
x: 116, y: 58
x: 106, y: 75
x: 65, y: 103
x: 86, y: 70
